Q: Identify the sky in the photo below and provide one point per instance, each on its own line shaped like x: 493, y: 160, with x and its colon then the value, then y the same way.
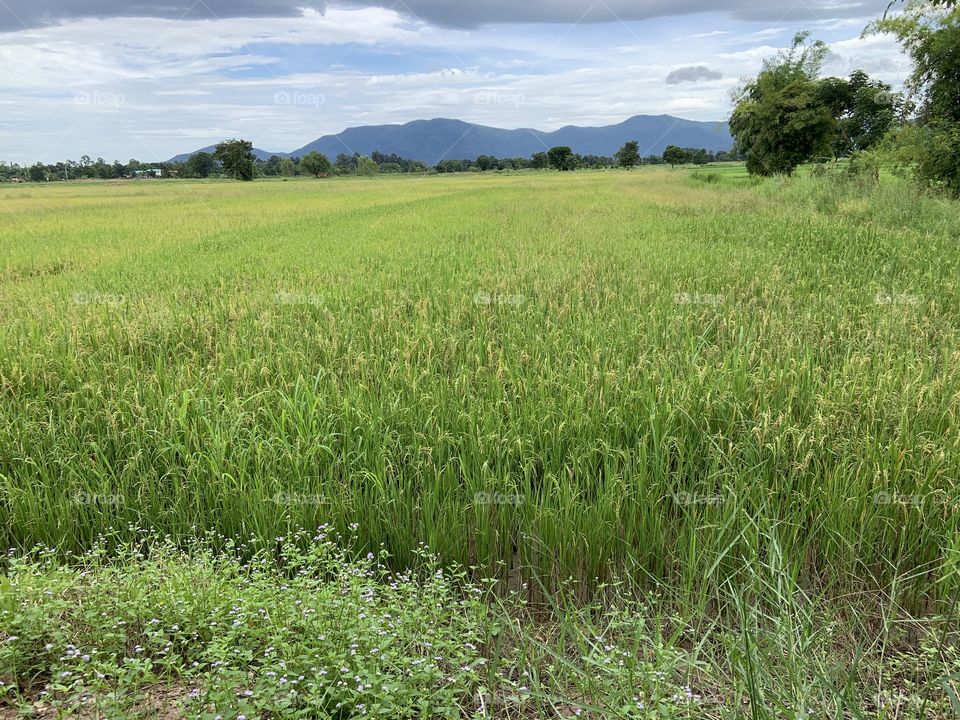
x: 149, y: 79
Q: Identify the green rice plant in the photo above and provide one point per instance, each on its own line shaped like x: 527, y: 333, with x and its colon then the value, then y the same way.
x: 541, y: 377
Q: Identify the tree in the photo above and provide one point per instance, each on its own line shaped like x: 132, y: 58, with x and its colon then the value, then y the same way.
x: 562, y: 158
x: 346, y: 164
x: 932, y: 39
x: 237, y: 158
x: 674, y: 155
x: 287, y: 167
x: 485, y: 162
x: 367, y: 167
x: 316, y: 164
x: 780, y: 121
x: 864, y: 109
x: 629, y: 154
x: 200, y: 165
x: 540, y: 161
x: 271, y: 168
x: 37, y: 173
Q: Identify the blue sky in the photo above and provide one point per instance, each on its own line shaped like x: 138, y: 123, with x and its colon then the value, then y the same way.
x: 132, y: 80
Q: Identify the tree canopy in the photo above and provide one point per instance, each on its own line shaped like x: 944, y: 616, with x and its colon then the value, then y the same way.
x: 237, y: 158
x: 780, y: 120
x: 629, y: 154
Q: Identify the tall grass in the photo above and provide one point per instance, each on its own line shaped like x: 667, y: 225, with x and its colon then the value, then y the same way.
x: 542, y: 377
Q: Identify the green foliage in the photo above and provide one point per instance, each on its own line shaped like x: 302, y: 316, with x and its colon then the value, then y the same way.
x: 780, y: 121
x: 674, y: 155
x: 932, y: 39
x: 629, y: 155
x: 485, y: 162
x: 540, y: 161
x: 865, y: 111
x: 200, y: 165
x: 367, y: 167
x: 316, y: 164
x: 287, y: 167
x: 297, y: 630
x: 562, y: 158
x: 237, y: 158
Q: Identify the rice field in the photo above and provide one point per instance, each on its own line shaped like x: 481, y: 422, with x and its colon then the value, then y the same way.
x: 544, y: 376
x: 735, y: 402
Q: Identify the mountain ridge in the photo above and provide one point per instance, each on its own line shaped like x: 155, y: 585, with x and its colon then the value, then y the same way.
x: 437, y: 139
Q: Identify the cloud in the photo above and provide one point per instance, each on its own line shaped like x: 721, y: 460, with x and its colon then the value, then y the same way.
x: 17, y: 14
x: 692, y: 73
x: 153, y: 87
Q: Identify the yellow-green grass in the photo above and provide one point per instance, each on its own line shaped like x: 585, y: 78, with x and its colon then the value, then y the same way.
x: 562, y: 375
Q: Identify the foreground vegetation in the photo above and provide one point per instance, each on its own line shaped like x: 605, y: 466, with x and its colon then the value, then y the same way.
x: 739, y: 396
x: 301, y: 631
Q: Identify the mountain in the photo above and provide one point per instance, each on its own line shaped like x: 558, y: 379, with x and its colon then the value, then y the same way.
x: 442, y: 139
x: 260, y: 154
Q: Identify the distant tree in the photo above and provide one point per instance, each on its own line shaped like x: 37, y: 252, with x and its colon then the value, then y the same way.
x: 629, y: 155
x: 367, y: 167
x: 237, y: 158
x: 562, y: 158
x: 540, y: 161
x: 200, y: 165
x: 346, y: 164
x: 485, y: 162
x: 287, y: 167
x: 271, y: 166
x: 453, y: 166
x: 698, y: 156
x: 316, y: 164
x: 38, y: 172
x: 674, y: 155
x: 780, y: 120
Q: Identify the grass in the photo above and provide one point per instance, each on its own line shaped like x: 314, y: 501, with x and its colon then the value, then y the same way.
x: 741, y: 397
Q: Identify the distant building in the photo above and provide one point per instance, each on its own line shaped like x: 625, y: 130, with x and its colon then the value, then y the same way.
x: 148, y: 173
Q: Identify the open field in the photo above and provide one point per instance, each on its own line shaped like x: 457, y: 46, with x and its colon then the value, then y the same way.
x: 743, y: 397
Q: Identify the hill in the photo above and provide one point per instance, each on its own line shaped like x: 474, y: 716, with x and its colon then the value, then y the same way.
x: 445, y: 139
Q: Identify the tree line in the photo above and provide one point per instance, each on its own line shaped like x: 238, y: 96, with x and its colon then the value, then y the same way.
x: 235, y: 159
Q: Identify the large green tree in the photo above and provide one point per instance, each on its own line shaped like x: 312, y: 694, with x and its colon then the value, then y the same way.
x: 316, y: 164
x: 931, y: 37
x: 865, y: 110
x: 629, y: 154
x: 562, y: 158
x: 237, y: 158
x: 200, y: 165
x: 674, y: 155
x: 780, y: 120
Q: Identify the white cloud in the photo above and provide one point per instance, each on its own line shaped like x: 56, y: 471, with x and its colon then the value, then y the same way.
x: 158, y: 87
